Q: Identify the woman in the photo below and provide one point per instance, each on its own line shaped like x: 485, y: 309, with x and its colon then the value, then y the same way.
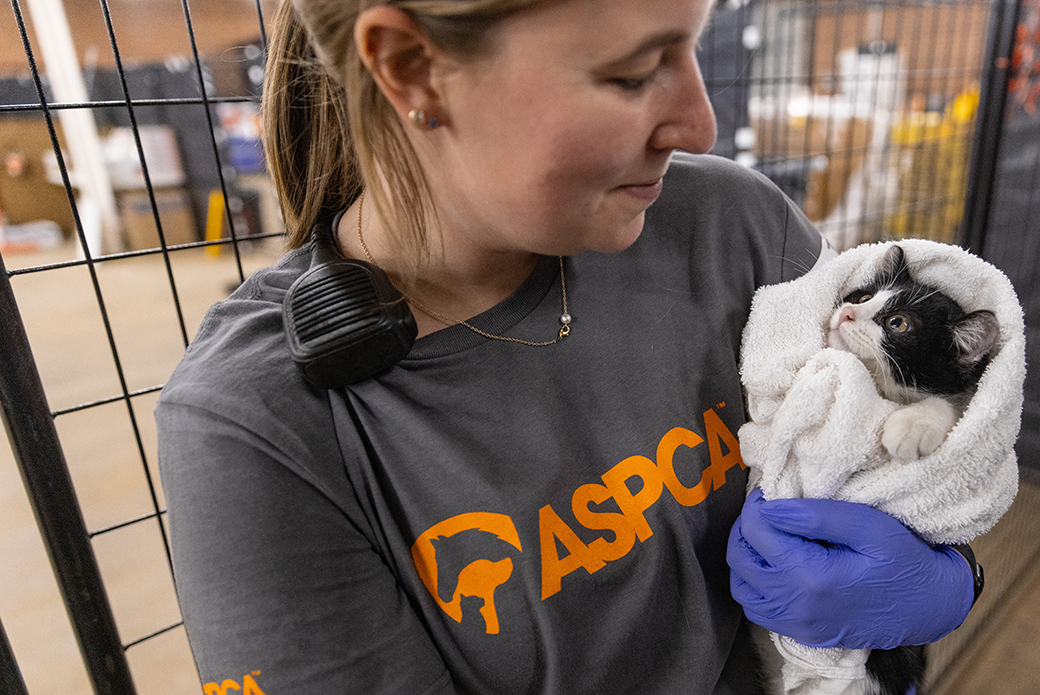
x: 538, y: 497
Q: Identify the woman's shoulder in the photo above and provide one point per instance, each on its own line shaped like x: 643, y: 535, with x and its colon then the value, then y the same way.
x: 238, y: 398
x: 240, y: 351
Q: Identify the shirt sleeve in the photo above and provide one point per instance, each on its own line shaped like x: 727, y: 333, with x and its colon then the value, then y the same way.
x: 741, y: 218
x: 808, y: 242
x: 277, y: 582
x: 801, y: 246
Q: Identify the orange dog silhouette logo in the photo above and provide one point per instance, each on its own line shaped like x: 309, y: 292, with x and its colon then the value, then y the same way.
x: 478, y: 579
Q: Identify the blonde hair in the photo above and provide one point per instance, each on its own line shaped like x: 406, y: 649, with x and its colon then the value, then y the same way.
x: 328, y: 130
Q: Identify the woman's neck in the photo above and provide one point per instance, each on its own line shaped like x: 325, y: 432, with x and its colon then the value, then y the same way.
x: 458, y: 281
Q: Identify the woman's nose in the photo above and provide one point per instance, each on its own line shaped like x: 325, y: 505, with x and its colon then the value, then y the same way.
x: 689, y: 122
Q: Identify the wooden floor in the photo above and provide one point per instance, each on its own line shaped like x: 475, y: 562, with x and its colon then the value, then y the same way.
x: 997, y: 650
x: 71, y: 348
x: 996, y: 653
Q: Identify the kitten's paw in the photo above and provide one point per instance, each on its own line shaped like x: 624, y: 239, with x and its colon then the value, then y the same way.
x: 917, y: 430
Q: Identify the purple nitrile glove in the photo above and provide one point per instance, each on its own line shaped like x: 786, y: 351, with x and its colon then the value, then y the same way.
x: 839, y: 574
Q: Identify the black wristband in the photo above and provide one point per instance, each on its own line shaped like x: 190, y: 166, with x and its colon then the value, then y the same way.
x: 976, y: 569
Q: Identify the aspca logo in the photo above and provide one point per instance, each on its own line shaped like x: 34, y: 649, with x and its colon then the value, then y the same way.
x: 617, y: 504
x: 228, y: 686
x: 478, y: 579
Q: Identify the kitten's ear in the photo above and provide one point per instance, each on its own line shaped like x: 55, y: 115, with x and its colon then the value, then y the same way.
x: 974, y: 336
x: 893, y: 266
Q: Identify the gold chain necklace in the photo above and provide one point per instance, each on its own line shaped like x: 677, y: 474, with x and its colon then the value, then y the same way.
x: 565, y: 317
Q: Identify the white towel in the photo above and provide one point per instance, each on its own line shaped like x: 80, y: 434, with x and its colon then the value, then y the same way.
x: 816, y: 414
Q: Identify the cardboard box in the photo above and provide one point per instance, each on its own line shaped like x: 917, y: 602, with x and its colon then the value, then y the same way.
x: 26, y: 195
x: 139, y: 229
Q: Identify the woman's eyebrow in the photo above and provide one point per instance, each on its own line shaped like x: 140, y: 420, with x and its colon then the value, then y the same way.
x: 654, y: 42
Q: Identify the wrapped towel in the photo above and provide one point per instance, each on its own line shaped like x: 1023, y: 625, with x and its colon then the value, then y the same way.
x: 816, y: 415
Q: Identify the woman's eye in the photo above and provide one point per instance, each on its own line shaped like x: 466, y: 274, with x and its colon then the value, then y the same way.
x: 898, y: 324
x: 633, y: 84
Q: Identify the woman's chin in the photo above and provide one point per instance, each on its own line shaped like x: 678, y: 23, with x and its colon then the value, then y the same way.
x: 623, y: 237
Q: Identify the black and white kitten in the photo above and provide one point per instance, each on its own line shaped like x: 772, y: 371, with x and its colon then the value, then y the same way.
x: 927, y: 354
x: 922, y: 349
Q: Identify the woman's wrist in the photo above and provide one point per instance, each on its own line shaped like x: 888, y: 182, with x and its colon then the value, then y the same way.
x: 978, y: 579
x: 969, y: 578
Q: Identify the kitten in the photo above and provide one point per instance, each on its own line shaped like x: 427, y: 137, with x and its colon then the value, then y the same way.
x: 927, y: 354
x: 922, y: 349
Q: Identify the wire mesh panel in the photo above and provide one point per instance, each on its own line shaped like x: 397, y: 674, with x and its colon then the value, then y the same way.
x: 863, y: 112
x: 133, y: 195
x: 160, y: 101
x: 1012, y: 232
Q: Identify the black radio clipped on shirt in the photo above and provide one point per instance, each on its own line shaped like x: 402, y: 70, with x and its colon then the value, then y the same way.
x: 344, y: 319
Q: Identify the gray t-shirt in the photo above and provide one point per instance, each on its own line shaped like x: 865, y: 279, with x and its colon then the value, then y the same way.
x: 487, y: 517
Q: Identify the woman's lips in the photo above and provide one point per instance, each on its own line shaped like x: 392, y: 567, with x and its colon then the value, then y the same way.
x: 644, y: 191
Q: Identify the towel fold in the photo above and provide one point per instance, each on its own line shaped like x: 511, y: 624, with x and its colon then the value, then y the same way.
x: 816, y: 415
x: 816, y: 671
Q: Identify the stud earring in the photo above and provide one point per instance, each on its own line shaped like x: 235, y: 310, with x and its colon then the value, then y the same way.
x: 419, y: 118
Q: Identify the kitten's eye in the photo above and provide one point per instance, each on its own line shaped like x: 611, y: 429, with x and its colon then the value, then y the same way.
x: 864, y: 299
x: 898, y: 324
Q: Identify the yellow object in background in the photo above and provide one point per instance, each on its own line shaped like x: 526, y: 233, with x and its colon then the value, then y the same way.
x: 930, y: 152
x: 214, y: 221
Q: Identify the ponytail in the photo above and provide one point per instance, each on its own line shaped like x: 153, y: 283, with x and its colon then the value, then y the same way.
x: 306, y: 131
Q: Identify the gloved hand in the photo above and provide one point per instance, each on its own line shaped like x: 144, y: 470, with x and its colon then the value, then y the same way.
x: 838, y: 574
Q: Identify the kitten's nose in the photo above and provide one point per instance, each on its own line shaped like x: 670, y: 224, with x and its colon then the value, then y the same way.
x: 847, y: 314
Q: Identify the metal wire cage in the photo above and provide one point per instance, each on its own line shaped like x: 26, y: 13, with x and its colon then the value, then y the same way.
x: 881, y: 119
x: 175, y: 142
x: 863, y: 111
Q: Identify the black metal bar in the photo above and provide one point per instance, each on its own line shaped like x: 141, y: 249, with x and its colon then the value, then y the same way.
x: 38, y: 454
x: 147, y: 176
x: 129, y: 522
x: 153, y: 635
x: 110, y: 104
x: 212, y: 136
x: 953, y: 234
x: 989, y: 128
x: 106, y: 401
x: 11, y: 682
x: 134, y: 254
x: 263, y: 27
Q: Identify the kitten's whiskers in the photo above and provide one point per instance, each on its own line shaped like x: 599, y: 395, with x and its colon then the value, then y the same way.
x: 915, y: 299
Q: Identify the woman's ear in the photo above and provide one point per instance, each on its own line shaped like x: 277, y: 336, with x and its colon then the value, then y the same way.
x: 398, y: 53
